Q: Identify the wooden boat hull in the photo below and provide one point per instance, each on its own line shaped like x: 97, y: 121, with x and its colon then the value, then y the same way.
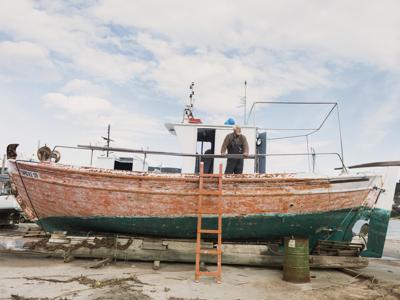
x: 255, y: 207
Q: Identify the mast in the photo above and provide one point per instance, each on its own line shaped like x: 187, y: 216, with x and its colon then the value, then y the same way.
x: 108, y: 139
x: 244, y: 103
x: 188, y: 111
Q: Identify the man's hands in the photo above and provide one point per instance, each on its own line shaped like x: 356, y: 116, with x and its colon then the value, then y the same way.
x: 244, y: 154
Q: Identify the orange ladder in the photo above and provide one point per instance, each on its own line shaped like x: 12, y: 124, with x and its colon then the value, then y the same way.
x: 200, y: 230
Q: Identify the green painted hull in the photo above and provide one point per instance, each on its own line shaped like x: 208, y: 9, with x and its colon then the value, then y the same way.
x: 334, y: 225
x: 377, y: 229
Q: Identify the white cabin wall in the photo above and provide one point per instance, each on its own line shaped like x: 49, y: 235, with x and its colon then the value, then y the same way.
x: 105, y: 162
x: 137, y: 165
x: 187, y: 140
x: 250, y: 134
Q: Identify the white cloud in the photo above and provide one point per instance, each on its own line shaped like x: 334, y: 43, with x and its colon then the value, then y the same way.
x: 77, y: 104
x: 355, y: 31
x: 220, y: 78
x: 94, y: 113
x: 379, y: 122
x: 84, y: 88
x: 76, y: 39
x: 26, y: 61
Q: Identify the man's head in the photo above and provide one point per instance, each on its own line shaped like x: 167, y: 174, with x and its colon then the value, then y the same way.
x: 237, y: 130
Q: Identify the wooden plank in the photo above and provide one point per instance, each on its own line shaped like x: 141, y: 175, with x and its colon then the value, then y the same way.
x: 100, y: 263
x: 325, y: 262
x: 357, y: 274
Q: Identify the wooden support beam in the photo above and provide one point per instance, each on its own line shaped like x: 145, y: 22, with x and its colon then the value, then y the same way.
x: 125, y: 248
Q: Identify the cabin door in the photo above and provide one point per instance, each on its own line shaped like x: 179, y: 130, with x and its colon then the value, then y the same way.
x: 205, y: 145
x: 261, y: 147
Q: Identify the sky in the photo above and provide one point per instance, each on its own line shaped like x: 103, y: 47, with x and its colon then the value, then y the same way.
x: 70, y: 68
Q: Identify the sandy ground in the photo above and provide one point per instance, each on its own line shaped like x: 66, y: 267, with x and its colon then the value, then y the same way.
x: 24, y: 277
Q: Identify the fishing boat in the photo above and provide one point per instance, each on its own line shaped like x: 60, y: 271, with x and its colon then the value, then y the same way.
x: 257, y: 206
x: 10, y: 211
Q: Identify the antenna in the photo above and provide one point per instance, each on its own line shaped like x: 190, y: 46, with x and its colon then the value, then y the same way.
x: 244, y: 103
x: 108, y: 138
x: 188, y: 111
x: 191, y: 94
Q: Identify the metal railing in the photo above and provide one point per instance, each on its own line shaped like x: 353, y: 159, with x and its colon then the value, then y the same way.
x: 310, y: 131
x: 146, y: 153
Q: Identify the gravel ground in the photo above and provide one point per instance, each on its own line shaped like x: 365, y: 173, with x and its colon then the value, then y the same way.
x: 24, y: 277
x: 29, y: 277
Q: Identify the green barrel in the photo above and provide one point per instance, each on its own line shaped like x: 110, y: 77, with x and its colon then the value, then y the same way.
x: 296, y: 265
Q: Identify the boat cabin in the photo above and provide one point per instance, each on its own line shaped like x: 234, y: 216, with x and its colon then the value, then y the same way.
x: 114, y: 162
x: 197, y: 138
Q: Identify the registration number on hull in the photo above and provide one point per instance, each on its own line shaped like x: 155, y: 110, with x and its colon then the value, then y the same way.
x: 31, y: 174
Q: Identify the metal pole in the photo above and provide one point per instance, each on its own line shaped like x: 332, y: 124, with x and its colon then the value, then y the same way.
x: 144, y: 161
x: 108, y: 138
x: 313, y: 159
x: 340, y: 137
x: 308, y: 156
x: 3, y: 165
x: 245, y: 103
x: 91, y: 158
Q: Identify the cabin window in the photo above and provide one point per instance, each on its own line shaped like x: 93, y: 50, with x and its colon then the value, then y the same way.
x: 205, y: 145
x: 123, y: 163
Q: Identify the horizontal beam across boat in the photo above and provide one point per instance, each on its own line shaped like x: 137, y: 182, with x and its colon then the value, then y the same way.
x: 379, y: 164
x: 237, y: 156
x: 393, y: 163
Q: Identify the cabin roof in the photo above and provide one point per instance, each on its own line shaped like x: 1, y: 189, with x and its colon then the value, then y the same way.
x: 171, y: 126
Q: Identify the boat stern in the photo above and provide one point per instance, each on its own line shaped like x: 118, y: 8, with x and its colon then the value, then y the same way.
x: 380, y: 214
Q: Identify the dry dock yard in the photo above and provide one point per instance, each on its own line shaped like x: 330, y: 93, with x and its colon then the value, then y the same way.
x: 34, y: 276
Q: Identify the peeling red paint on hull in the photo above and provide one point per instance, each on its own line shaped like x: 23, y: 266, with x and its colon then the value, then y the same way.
x: 58, y: 190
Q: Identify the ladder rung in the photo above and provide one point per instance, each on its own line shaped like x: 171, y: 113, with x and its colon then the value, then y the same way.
x: 210, y: 251
x: 208, y: 273
x: 209, y: 193
x: 209, y: 212
x: 212, y: 231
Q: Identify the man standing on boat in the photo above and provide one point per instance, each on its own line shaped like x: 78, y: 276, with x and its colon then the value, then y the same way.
x: 236, y: 143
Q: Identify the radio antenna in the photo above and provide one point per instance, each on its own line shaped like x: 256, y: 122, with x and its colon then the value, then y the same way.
x: 108, y: 139
x: 191, y: 94
x: 244, y: 103
x: 188, y: 111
